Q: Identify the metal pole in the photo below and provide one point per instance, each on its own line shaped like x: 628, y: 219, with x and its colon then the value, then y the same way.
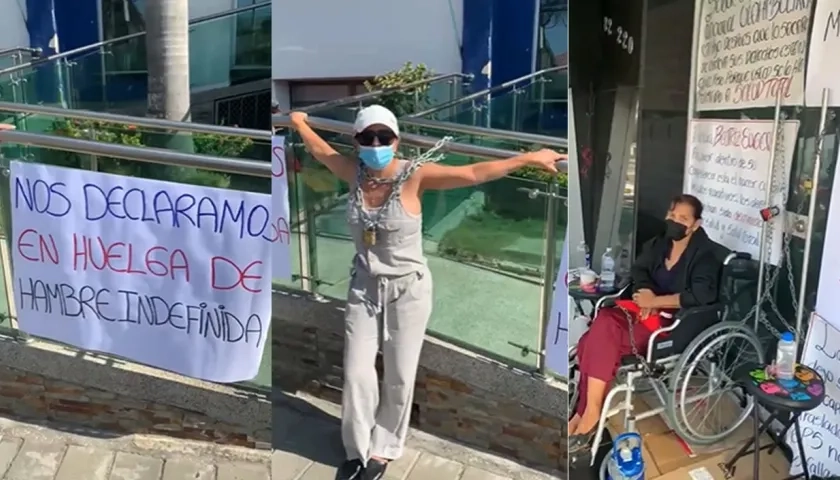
x: 768, y: 197
x: 812, y: 209
x: 550, y: 252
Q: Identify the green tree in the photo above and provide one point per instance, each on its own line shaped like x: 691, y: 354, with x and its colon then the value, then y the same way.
x: 402, y: 102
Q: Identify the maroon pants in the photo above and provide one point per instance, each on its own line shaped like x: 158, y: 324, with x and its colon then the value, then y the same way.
x: 600, y: 349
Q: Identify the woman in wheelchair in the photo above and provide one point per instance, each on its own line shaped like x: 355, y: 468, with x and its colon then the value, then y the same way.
x: 677, y: 269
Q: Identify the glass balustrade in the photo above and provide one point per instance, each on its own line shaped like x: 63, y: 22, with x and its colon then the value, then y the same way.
x: 538, y: 107
x: 485, y: 246
x: 223, y: 51
x: 402, y: 103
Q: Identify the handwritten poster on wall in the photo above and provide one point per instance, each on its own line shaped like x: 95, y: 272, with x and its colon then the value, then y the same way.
x: 282, y: 256
x: 821, y: 426
x: 828, y: 299
x: 169, y: 275
x: 823, y: 68
x: 727, y: 166
x: 557, y: 333
x: 750, y: 52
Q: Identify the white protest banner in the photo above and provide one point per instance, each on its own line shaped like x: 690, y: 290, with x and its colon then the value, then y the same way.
x: 828, y: 300
x: 557, y: 333
x: 821, y: 426
x: 281, y: 259
x: 169, y: 275
x: 823, y: 67
x: 749, y: 52
x: 727, y: 163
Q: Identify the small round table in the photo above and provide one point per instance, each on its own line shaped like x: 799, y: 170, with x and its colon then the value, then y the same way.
x: 786, y: 400
x: 579, y: 296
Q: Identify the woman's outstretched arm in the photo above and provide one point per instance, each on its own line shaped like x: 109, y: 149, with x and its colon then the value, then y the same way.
x: 434, y: 176
x: 341, y: 166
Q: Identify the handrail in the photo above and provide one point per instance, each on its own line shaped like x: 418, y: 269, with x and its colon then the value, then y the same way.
x: 76, y: 51
x: 33, y: 51
x: 283, y: 121
x: 483, y: 93
x: 364, y: 96
x: 545, y: 140
x: 136, y: 121
x: 142, y: 154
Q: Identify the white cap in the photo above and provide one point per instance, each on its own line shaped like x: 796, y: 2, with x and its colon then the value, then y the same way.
x: 376, y: 115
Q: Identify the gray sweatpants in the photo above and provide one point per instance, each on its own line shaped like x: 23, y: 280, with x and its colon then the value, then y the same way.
x: 391, y: 315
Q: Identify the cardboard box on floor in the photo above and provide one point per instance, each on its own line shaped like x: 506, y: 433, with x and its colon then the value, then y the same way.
x: 665, y: 452
x: 772, y: 467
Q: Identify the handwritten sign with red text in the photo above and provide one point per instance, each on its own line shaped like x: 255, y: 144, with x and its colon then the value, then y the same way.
x: 750, y: 52
x: 170, y: 275
x: 727, y: 163
x: 282, y: 255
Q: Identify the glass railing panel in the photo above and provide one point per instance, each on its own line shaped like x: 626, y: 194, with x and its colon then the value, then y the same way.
x: 402, y: 103
x: 114, y: 76
x: 484, y: 244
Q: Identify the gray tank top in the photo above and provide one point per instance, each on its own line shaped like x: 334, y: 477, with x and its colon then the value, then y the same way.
x: 398, y: 247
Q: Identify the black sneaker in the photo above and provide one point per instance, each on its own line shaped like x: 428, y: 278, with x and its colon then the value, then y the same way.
x: 350, y: 470
x: 375, y: 470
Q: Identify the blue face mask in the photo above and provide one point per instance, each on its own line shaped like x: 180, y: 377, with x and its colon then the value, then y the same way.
x: 376, y: 158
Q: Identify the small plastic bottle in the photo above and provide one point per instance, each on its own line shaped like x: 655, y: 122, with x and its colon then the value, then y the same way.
x: 607, y: 270
x: 587, y: 258
x: 785, y: 366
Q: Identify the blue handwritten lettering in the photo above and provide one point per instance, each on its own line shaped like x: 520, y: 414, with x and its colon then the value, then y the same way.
x: 42, y: 197
x: 178, y: 211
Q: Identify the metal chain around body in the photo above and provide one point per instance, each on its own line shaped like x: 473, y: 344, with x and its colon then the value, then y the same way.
x: 631, y: 325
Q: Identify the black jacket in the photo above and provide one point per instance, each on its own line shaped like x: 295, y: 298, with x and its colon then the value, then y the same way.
x: 699, y: 284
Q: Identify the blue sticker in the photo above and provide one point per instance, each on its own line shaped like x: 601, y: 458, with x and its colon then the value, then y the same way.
x: 789, y: 384
x: 800, y: 397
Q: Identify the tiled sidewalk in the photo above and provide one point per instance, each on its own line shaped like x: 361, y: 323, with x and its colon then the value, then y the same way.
x: 307, y: 444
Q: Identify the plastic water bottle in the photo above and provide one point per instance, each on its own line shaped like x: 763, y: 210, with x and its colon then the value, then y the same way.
x: 785, y: 357
x: 625, y: 461
x: 587, y: 258
x: 607, y: 270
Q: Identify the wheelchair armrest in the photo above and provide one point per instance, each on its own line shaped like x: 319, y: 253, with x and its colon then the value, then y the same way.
x: 609, y: 300
x: 702, y: 310
x: 686, y: 318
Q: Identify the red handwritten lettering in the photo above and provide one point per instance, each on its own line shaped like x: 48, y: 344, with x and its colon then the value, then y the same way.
x: 240, y: 275
x: 46, y: 249
x: 280, y: 231
x: 742, y: 138
x: 278, y: 168
x: 120, y: 257
x: 756, y: 90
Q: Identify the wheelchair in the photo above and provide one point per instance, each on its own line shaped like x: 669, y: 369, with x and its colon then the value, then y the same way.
x: 680, y: 353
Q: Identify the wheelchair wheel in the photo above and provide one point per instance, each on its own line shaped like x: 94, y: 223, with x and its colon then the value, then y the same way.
x: 712, y: 358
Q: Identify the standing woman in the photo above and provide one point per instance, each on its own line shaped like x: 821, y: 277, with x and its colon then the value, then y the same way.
x: 389, y: 301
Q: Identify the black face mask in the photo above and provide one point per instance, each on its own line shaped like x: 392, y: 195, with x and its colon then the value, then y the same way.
x: 674, y: 230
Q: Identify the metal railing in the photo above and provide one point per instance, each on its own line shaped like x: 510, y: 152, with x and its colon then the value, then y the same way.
x: 486, y: 92
x: 340, y: 102
x: 105, y: 43
x: 410, y: 139
x: 262, y: 169
x: 534, y: 138
x: 174, y: 125
x: 554, y: 201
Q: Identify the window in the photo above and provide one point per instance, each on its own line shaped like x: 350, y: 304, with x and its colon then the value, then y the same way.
x: 553, y: 34
x: 253, y: 36
x: 121, y: 18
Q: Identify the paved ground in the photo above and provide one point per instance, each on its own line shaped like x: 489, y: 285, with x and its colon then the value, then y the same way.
x: 48, y: 452
x: 308, y: 447
x: 307, y: 442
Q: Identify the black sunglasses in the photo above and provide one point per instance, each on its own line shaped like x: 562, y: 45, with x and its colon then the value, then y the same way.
x: 367, y: 137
